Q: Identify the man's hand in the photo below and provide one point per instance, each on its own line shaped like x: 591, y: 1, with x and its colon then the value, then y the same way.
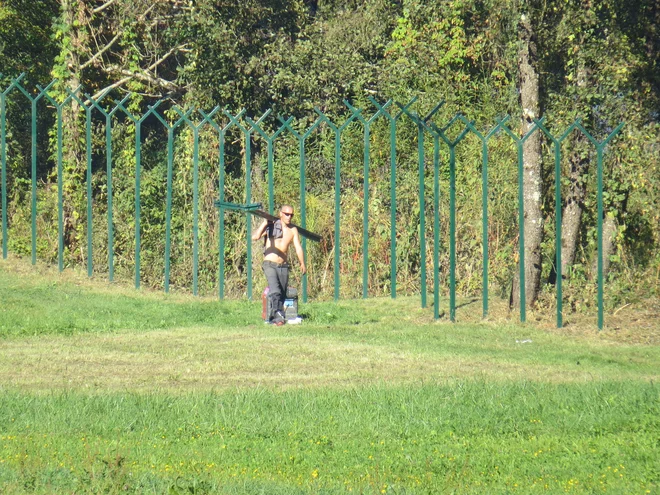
x: 303, y: 268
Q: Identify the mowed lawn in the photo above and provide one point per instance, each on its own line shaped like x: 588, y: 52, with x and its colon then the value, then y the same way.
x: 104, y: 389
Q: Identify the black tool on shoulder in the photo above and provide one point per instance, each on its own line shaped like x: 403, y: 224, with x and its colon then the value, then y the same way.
x: 255, y: 209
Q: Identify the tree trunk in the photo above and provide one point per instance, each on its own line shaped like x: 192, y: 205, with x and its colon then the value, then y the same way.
x: 609, y: 233
x: 572, y: 215
x: 74, y: 163
x: 532, y: 165
x: 574, y: 204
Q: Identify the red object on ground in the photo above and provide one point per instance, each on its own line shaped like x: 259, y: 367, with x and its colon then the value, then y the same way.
x: 264, y: 305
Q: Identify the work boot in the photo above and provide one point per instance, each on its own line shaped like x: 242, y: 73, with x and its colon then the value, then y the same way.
x: 279, y: 319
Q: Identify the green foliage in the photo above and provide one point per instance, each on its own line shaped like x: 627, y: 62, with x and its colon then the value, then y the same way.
x: 231, y: 39
x: 25, y: 38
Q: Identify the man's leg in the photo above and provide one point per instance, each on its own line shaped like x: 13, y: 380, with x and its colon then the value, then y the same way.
x: 274, y: 288
x: 283, y: 276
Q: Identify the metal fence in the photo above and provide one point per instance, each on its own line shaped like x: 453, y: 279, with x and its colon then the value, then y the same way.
x: 222, y: 121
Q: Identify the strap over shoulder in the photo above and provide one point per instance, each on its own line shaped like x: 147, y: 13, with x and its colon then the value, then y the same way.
x: 275, y: 229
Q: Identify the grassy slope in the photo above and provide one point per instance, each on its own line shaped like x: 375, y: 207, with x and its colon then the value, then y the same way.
x: 107, y: 389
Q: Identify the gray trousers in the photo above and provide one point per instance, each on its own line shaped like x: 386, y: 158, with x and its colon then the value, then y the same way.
x: 277, y: 275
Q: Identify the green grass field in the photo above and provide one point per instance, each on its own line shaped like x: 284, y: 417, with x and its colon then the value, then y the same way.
x: 104, y: 389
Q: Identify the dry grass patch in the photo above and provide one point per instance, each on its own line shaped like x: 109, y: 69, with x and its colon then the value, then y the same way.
x: 217, y: 359
x: 65, y: 331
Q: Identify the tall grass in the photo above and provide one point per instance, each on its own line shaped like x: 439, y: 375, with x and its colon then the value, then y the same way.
x: 463, y: 437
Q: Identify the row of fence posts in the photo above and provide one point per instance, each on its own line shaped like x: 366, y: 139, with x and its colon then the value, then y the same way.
x: 249, y: 128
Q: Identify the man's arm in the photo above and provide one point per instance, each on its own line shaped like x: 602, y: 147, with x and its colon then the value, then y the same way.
x: 259, y: 232
x: 299, y: 251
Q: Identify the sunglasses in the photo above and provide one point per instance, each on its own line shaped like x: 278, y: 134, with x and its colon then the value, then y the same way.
x: 287, y: 214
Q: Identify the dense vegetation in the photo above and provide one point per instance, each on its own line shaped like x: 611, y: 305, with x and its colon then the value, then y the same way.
x: 592, y: 60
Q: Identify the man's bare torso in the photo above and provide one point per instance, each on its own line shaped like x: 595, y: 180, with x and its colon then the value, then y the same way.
x: 276, y: 249
x: 277, y: 246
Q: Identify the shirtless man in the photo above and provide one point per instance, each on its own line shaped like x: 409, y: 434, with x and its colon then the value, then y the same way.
x: 279, y: 235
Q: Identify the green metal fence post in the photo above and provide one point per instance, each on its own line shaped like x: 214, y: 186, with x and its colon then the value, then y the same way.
x: 337, y: 207
x: 521, y: 211
x: 60, y: 199
x: 393, y: 122
x: 60, y: 178
x: 168, y: 193
x: 271, y: 178
x: 558, y: 221
x: 303, y: 193
x: 365, y: 211
x: 365, y: 189
x: 248, y: 198
x: 303, y: 188
x: 484, y: 207
x: 33, y: 208
x: 195, y: 268
x: 3, y: 162
x: 88, y: 106
x: 365, y: 196
x: 248, y: 190
x: 108, y: 172
x: 393, y: 205
x: 599, y: 154
x: 337, y: 132
x: 138, y: 166
x: 3, y: 158
x: 138, y: 177
x: 221, y: 187
x: 195, y: 128
x: 168, y: 199
x: 422, y: 125
x: 452, y: 207
x: 436, y: 226
x: 521, y: 235
x: 90, y: 223
x: 422, y: 210
x: 108, y: 157
x: 558, y: 212
x: 221, y: 213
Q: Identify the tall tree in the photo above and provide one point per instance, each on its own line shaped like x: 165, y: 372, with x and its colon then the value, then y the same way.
x: 601, y: 70
x: 532, y: 181
x: 578, y: 37
x: 109, y: 45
